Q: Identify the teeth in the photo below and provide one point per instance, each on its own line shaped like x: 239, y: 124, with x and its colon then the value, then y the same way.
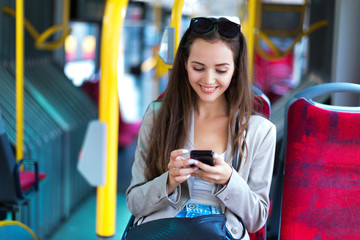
x: 208, y: 88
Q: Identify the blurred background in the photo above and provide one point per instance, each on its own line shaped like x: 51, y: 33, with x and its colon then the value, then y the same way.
x: 294, y: 44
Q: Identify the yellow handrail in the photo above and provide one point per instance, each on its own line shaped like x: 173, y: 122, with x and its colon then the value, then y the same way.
x: 254, y: 15
x: 114, y: 16
x: 277, y: 53
x: 175, y: 21
x: 41, y: 38
x: 153, y: 61
x: 19, y: 79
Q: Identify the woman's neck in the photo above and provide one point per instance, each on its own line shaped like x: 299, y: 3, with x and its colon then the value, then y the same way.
x: 212, y: 109
x: 211, y: 124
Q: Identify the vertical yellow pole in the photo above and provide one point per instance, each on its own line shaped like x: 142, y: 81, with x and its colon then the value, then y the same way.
x: 65, y: 16
x: 253, y: 24
x: 157, y: 13
x: 175, y: 21
x: 114, y: 15
x: 19, y: 79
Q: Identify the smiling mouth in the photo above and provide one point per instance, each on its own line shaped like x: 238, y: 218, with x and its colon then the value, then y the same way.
x: 208, y: 89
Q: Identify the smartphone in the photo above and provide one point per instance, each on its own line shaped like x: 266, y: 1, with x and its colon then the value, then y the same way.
x: 205, y: 156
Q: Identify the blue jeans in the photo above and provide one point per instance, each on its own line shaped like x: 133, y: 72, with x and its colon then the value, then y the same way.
x: 194, y: 210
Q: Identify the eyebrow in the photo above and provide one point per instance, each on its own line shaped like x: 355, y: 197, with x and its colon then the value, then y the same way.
x: 217, y: 65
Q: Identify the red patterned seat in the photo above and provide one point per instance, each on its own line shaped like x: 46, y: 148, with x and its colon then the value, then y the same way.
x: 322, y: 168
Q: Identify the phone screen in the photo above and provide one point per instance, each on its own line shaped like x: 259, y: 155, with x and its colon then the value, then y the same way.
x: 205, y: 156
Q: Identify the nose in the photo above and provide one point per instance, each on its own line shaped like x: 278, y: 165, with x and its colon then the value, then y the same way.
x: 209, y: 77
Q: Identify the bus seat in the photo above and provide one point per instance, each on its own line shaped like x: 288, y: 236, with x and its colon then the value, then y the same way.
x: 322, y: 167
x: 11, y: 230
x: 262, y: 106
x: 16, y: 185
x: 261, y: 103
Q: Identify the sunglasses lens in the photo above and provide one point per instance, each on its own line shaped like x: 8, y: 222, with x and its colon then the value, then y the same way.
x: 228, y: 29
x: 201, y: 25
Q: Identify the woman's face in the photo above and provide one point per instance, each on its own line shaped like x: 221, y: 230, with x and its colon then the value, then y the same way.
x: 210, y: 67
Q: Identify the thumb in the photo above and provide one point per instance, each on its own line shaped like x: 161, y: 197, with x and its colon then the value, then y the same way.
x: 218, y: 159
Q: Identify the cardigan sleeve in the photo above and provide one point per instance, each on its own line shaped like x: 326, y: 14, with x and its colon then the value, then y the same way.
x: 145, y: 197
x: 248, y: 197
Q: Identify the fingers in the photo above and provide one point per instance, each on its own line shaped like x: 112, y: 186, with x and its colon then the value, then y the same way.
x: 179, y: 175
x: 176, y: 158
x: 178, y: 152
x: 180, y: 168
x: 218, y: 160
x: 220, y: 173
x: 185, y: 167
x: 179, y: 162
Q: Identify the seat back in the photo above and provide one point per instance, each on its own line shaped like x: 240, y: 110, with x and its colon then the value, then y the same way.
x: 7, y: 166
x: 262, y: 106
x: 322, y: 167
x: 261, y: 103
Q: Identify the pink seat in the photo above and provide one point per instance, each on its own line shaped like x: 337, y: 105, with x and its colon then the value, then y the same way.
x: 27, y: 179
x: 322, y: 168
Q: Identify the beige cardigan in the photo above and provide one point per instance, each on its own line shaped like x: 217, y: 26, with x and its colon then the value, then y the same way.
x: 246, y: 195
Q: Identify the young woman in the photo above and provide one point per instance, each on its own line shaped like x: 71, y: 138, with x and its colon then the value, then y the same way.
x: 207, y: 106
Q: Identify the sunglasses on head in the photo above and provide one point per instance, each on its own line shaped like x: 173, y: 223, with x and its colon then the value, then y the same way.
x: 225, y: 27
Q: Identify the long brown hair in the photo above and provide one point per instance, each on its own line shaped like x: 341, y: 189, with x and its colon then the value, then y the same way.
x: 172, y: 122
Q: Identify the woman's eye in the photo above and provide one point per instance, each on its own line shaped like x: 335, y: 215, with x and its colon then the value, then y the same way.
x: 221, y: 71
x: 198, y: 69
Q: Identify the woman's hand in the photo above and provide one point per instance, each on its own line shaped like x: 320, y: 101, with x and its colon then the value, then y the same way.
x: 220, y: 173
x: 180, y: 169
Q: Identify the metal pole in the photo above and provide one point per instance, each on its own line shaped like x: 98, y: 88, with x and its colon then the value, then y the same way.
x: 175, y: 21
x: 254, y: 11
x: 114, y: 15
x: 19, y: 79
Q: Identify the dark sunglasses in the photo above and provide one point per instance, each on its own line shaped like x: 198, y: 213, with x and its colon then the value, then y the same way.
x: 225, y: 27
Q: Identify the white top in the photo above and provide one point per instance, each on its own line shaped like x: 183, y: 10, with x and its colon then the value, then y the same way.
x: 202, y: 192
